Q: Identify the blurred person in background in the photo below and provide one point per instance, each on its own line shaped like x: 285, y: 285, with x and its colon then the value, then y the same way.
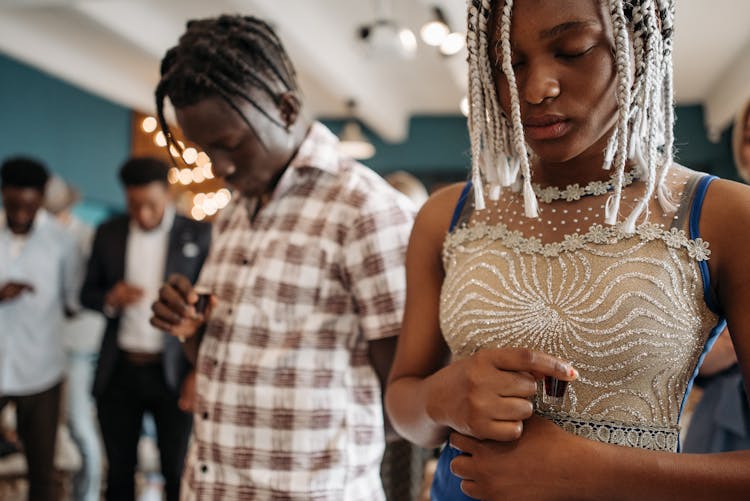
x: 140, y: 368
x: 81, y: 337
x: 38, y: 287
x: 409, y: 185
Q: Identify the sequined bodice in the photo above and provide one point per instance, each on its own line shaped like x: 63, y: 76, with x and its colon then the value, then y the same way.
x: 627, y: 310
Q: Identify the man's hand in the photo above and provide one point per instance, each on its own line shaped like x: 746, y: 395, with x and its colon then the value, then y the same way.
x: 12, y: 290
x: 122, y: 295
x: 174, y: 311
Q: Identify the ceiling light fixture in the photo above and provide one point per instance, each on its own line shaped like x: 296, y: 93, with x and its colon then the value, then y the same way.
x: 384, y: 38
x: 352, y: 141
x: 453, y: 44
x: 434, y: 32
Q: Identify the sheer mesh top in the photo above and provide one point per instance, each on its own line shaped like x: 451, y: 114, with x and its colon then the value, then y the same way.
x: 627, y: 310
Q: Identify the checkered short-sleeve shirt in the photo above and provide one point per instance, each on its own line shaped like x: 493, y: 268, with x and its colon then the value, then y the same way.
x: 289, y: 406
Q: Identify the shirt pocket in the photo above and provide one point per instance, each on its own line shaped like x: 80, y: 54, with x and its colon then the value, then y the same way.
x: 293, y: 276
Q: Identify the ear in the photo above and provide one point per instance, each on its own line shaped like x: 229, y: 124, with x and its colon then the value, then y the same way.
x: 289, y: 108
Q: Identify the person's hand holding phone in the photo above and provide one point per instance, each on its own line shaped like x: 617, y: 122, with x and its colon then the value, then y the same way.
x: 11, y: 290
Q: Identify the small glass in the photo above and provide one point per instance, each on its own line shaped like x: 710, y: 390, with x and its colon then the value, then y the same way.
x: 203, y: 300
x: 554, y: 391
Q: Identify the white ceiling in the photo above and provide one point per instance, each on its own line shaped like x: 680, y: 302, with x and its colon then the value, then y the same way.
x: 113, y: 47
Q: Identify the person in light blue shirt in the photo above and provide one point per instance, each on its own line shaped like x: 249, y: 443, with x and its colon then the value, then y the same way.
x: 37, y: 289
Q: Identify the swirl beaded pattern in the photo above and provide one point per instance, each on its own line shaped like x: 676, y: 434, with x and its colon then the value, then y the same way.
x: 628, y: 310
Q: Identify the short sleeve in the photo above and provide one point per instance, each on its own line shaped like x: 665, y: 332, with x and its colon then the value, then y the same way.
x: 374, y: 262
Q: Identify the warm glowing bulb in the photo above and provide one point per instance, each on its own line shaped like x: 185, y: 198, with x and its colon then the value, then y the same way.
x: 209, y: 206
x: 186, y: 176
x: 452, y: 44
x: 208, y: 172
x: 173, y: 176
x: 190, y: 155
x: 221, y: 199
x: 197, y: 213
x: 434, y: 32
x: 199, y: 199
x: 160, y: 139
x: 198, y: 176
x: 149, y: 125
x: 173, y: 151
x: 202, y: 159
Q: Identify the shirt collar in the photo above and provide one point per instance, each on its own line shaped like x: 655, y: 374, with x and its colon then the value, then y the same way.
x: 319, y: 150
x: 40, y: 219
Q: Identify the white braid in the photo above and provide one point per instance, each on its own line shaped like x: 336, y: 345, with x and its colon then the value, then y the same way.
x: 666, y: 10
x: 531, y: 207
x: 476, y: 105
x: 624, y: 84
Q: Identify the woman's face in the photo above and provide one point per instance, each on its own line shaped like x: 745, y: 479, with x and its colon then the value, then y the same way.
x: 562, y: 56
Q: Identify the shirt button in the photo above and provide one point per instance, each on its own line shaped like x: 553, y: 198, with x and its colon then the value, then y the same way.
x: 245, y: 260
x: 204, y: 468
x: 205, y: 415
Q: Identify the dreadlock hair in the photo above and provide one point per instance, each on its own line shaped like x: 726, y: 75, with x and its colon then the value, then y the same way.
x: 644, y: 131
x: 223, y: 57
x: 23, y: 172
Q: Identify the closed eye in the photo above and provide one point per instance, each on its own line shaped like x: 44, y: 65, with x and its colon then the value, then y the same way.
x: 575, y: 54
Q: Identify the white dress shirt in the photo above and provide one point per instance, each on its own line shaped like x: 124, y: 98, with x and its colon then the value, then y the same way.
x: 31, y: 352
x: 145, y: 259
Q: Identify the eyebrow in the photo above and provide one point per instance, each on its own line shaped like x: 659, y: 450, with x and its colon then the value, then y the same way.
x: 565, y: 27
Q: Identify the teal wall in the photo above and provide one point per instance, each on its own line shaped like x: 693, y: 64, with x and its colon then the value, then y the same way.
x: 437, y: 149
x: 85, y: 138
x: 79, y: 136
x: 693, y: 148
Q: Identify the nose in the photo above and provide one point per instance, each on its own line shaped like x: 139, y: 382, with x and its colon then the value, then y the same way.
x: 539, y: 83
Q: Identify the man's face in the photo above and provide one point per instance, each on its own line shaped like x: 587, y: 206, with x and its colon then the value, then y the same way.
x: 248, y: 158
x: 21, y: 206
x: 146, y: 204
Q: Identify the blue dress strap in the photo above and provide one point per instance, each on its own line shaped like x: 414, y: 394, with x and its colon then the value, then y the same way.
x: 460, y: 206
x: 694, y: 227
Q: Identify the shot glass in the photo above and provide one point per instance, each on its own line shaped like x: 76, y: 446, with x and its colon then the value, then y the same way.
x: 554, y: 391
x: 204, y: 298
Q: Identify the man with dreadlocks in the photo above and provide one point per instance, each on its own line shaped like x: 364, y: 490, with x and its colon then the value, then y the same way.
x: 578, y: 251
x: 306, y: 276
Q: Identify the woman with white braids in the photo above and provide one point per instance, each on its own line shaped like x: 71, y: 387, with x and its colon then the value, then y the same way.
x: 578, y: 252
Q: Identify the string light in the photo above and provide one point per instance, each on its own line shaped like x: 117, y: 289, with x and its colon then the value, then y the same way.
x: 149, y: 125
x: 160, y: 140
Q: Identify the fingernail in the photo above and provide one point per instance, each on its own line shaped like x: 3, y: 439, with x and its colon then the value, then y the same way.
x: 572, y: 372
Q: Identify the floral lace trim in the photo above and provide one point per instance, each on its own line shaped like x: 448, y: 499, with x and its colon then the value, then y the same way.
x: 655, y: 438
x: 574, y: 192
x: 597, y: 234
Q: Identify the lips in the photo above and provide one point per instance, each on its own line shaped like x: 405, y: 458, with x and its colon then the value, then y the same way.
x: 544, y: 127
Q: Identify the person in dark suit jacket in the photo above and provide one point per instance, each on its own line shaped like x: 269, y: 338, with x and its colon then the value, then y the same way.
x: 141, y: 369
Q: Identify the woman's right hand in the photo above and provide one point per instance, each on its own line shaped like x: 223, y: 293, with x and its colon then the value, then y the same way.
x: 488, y: 395
x: 174, y: 311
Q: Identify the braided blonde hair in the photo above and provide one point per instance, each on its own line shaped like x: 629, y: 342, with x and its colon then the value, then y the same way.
x: 645, y: 118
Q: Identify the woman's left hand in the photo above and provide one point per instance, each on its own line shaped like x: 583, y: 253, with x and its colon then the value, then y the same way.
x: 541, y: 465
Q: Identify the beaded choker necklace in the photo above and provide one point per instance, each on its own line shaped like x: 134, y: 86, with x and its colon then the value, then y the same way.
x: 574, y: 192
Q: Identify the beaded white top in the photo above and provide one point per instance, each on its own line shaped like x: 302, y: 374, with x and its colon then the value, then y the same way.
x: 628, y: 310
